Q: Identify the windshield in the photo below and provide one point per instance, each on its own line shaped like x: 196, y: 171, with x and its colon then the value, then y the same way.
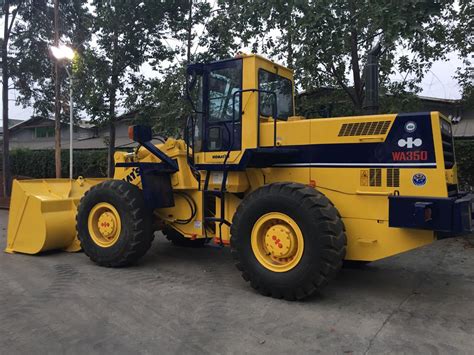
x: 223, y: 83
x: 283, y: 89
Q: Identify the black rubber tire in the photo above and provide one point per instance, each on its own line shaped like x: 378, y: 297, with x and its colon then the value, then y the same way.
x: 136, y: 234
x: 180, y: 240
x: 323, y: 232
x: 355, y: 264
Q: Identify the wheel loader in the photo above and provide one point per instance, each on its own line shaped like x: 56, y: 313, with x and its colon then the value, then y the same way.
x: 292, y: 197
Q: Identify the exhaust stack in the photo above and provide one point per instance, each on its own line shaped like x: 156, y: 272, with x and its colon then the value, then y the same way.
x: 371, y: 101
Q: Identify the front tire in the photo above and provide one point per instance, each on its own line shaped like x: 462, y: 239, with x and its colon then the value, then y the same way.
x: 113, y: 224
x: 288, y: 240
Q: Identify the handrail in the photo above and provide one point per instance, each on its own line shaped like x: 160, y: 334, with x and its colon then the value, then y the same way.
x: 190, y: 157
x: 231, y: 145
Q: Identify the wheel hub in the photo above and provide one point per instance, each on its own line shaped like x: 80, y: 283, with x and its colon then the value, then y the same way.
x: 107, y: 224
x: 280, y: 241
x: 277, y: 242
x: 104, y: 224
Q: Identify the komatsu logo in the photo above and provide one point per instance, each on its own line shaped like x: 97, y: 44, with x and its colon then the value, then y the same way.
x: 132, y: 176
x: 410, y: 142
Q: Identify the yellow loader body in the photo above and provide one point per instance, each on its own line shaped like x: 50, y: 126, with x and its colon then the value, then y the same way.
x: 42, y: 214
x: 294, y: 197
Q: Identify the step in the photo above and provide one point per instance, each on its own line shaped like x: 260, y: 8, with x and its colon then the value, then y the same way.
x: 216, y: 219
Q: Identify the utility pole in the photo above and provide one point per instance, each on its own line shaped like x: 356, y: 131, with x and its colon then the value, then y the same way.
x: 57, y: 93
x: 6, y: 136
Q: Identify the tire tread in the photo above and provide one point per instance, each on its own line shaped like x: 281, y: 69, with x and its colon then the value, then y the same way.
x: 334, y: 241
x: 141, y: 237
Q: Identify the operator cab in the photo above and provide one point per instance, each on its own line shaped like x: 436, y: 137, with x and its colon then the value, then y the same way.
x: 230, y: 97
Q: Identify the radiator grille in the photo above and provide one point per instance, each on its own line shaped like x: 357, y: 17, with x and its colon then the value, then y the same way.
x: 393, y: 177
x: 364, y: 128
x: 375, y: 177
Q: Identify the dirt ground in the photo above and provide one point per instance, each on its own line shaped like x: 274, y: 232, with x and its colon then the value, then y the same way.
x: 180, y: 300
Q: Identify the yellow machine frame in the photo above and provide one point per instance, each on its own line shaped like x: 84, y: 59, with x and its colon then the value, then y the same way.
x: 364, y: 208
x: 293, y: 196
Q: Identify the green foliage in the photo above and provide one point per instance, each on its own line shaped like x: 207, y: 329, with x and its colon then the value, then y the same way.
x: 465, y: 160
x: 326, y: 41
x: 161, y: 102
x: 333, y: 102
x: 463, y: 41
x: 325, y: 102
x: 31, y: 60
x: 40, y: 163
x: 127, y: 34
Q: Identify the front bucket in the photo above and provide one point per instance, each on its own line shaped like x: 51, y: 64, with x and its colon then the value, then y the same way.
x: 43, y: 214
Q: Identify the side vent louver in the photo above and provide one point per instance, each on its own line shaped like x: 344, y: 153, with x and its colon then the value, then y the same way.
x: 364, y: 128
x: 393, y: 177
x: 375, y: 177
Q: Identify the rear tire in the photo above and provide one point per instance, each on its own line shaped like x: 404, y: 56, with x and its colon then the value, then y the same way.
x: 355, y: 264
x: 180, y: 240
x: 130, y: 230
x: 320, y: 233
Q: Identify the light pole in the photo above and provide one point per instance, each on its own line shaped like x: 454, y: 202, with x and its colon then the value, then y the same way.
x: 63, y: 52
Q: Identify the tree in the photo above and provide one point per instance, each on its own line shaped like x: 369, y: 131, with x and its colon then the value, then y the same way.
x: 161, y: 100
x: 463, y: 41
x: 336, y: 35
x: 10, y: 8
x: 57, y: 93
x: 33, y: 67
x: 326, y: 41
x: 127, y: 34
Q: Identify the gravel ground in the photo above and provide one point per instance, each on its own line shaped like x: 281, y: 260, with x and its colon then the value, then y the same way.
x: 180, y: 300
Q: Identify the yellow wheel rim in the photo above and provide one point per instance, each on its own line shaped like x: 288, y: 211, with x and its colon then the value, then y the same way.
x: 104, y: 224
x: 277, y: 242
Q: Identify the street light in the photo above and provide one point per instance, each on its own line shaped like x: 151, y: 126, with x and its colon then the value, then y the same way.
x: 63, y: 52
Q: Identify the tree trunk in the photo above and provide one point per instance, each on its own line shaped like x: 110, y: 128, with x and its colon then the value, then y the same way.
x: 290, y: 48
x: 356, y: 71
x: 111, y: 147
x: 112, y: 103
x: 190, y: 32
x: 57, y: 93
x: 5, y: 74
x: 289, y: 37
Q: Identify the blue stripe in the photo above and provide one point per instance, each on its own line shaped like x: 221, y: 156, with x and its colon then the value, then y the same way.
x: 379, y: 154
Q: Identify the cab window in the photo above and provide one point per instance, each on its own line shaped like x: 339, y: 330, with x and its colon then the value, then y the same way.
x: 223, y: 83
x: 283, y: 89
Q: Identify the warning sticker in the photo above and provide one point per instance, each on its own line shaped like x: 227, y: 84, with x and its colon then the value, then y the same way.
x: 217, y: 177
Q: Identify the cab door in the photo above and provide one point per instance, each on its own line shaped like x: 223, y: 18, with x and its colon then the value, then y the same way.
x: 223, y: 114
